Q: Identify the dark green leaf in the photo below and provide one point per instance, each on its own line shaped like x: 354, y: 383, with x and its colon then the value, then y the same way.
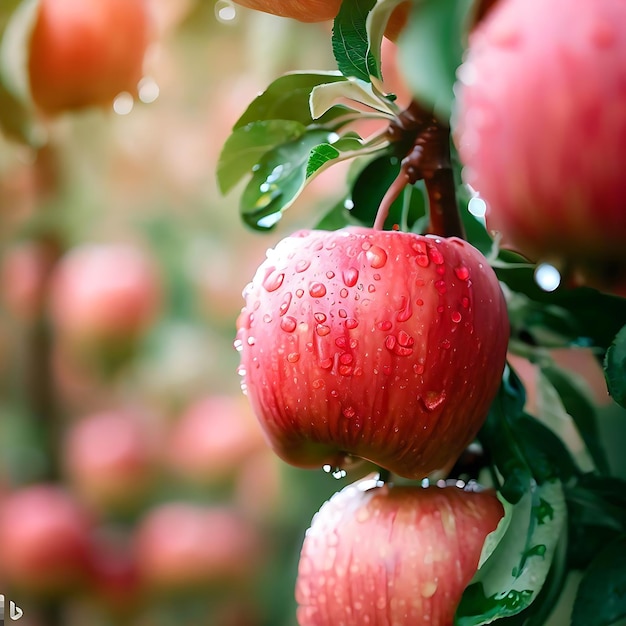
x: 279, y: 178
x: 601, y: 596
x: 287, y: 98
x: 350, y: 42
x: 247, y: 144
x: 324, y: 153
x: 615, y: 368
x: 370, y: 187
x: 577, y: 403
x: 430, y: 51
x: 516, y: 558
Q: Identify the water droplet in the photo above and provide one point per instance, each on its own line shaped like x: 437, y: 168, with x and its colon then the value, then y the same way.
x: 342, y: 313
x: 322, y: 330
x: 349, y: 412
x: 123, y: 103
x: 345, y: 370
x: 267, y: 318
x: 351, y: 323
x: 371, y: 288
x: 440, y: 286
x: 318, y: 383
x: 303, y: 265
x: 251, y: 341
x: 462, y: 272
x: 418, y: 368
x: 465, y: 302
x: 238, y: 345
x: 285, y: 304
x: 317, y: 290
x: 273, y: 279
x: 433, y: 399
x: 343, y: 293
x: 350, y: 276
x: 346, y: 358
x: 326, y: 363
x: 404, y: 339
x: 320, y: 318
x: 390, y: 342
x: 445, y: 344
x: 341, y: 342
x: 429, y: 588
x: 547, y: 276
x: 293, y: 357
x: 456, y: 317
x: 419, y: 302
x: 435, y: 255
x: 288, y: 324
x: 299, y: 293
x: 376, y: 276
x: 376, y: 257
x: 384, y: 325
x: 330, y: 274
x: 406, y: 311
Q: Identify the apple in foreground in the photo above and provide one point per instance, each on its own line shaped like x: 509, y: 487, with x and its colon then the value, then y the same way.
x: 382, y: 345
x: 379, y: 554
x: 85, y: 52
x: 541, y: 132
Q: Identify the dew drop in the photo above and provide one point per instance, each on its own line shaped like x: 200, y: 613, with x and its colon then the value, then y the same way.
x: 288, y: 324
x: 371, y: 288
x: 346, y: 370
x: 376, y: 257
x: 320, y: 318
x: 293, y: 357
x: 326, y: 364
x: 273, y: 279
x: 342, y: 313
x: 330, y: 275
x: 267, y: 318
x: 238, y: 345
x: 318, y: 383
x: 433, y: 399
x: 251, y: 341
x: 303, y: 265
x: 346, y: 358
x: 440, y: 286
x: 465, y: 302
x: 406, y: 311
x: 317, y: 290
x: 351, y: 323
x: 456, y: 317
x: 299, y: 293
x: 462, y: 272
x: 384, y: 325
x: 350, y: 276
x: 341, y: 342
x: 435, y: 255
x: 322, y: 330
x: 285, y: 304
x: 419, y: 302
x: 349, y: 412
x: 343, y: 293
x: 404, y: 339
x: 445, y: 344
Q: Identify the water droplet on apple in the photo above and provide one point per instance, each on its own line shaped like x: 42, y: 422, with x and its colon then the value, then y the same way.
x: 320, y: 318
x: 462, y: 272
x: 348, y: 412
x: 330, y: 275
x: 318, y: 383
x: 456, y: 317
x: 351, y: 323
x: 288, y: 324
x: 303, y: 265
x: 435, y: 255
x: 317, y: 290
x: 267, y: 318
x: 293, y: 357
x: 273, y: 279
x: 376, y: 257
x: 433, y: 399
x: 384, y: 325
x: 445, y: 344
x: 285, y: 304
x: 322, y: 330
x: 440, y: 286
x: 350, y: 276
x: 299, y: 293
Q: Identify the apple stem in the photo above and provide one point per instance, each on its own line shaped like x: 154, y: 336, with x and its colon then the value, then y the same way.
x: 427, y: 158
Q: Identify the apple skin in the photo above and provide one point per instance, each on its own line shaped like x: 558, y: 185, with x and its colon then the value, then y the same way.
x: 383, y: 345
x: 44, y: 540
x: 392, y: 555
x: 85, y: 52
x: 541, y: 131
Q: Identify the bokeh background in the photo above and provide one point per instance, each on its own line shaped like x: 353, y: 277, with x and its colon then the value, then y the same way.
x: 136, y: 487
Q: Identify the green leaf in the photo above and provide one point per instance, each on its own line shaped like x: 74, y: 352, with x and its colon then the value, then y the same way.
x: 279, y: 178
x: 615, y: 368
x: 430, y: 51
x: 601, y: 596
x: 377, y: 22
x: 350, y: 42
x: 247, y: 144
x: 287, y: 98
x: 345, y: 147
x: 577, y: 404
x: 516, y: 558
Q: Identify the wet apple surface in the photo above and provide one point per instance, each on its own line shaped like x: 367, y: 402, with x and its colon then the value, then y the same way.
x: 381, y: 345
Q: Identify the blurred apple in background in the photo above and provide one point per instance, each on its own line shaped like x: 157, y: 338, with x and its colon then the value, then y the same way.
x: 183, y: 546
x: 212, y: 438
x: 110, y: 458
x: 104, y: 296
x: 85, y: 52
x: 44, y: 539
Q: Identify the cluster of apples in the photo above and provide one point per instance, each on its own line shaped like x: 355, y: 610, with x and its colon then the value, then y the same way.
x: 389, y: 347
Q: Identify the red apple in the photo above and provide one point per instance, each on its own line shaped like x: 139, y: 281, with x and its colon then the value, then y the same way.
x: 104, y: 294
x: 542, y: 131
x: 85, y: 52
x: 383, y: 345
x: 110, y: 458
x: 392, y: 555
x: 212, y: 438
x: 44, y: 540
x: 182, y: 546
